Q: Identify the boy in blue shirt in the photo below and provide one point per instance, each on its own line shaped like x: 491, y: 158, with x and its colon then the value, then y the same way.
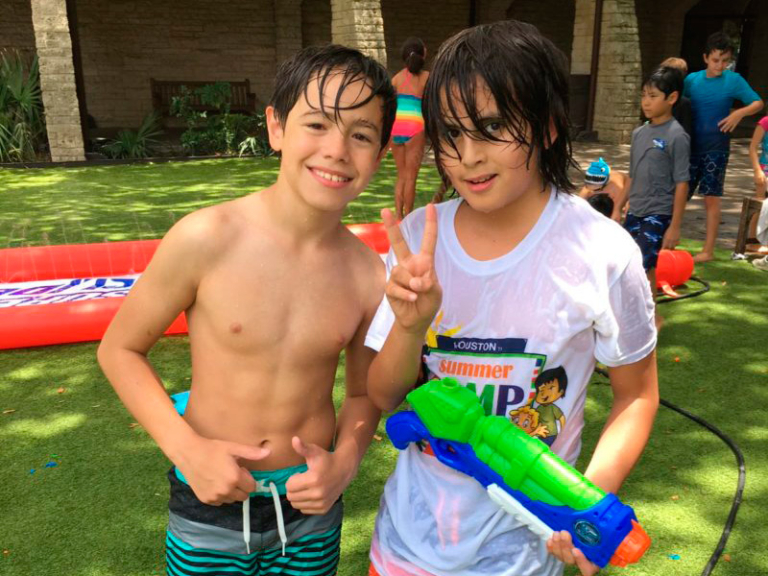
x: 712, y: 92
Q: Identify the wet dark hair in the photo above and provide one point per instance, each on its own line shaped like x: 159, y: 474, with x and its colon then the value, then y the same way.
x: 603, y: 203
x: 294, y: 75
x: 413, y: 52
x: 553, y: 374
x: 718, y: 41
x: 527, y: 76
x: 666, y: 79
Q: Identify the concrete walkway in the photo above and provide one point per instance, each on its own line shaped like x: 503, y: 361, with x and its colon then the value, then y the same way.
x: 738, y: 185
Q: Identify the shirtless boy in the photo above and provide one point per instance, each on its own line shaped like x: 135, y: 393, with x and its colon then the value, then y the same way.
x: 274, y: 288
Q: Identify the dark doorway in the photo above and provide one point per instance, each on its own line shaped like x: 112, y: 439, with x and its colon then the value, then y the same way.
x: 737, y: 19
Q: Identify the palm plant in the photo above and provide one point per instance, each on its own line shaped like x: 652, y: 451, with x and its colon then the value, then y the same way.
x: 22, y: 124
x: 139, y: 144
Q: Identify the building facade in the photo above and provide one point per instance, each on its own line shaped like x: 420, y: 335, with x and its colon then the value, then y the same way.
x: 97, y: 58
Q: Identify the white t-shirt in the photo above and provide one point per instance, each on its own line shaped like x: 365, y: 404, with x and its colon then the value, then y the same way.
x: 523, y: 332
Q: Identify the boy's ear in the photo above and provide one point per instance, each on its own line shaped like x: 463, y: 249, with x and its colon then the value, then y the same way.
x: 673, y: 97
x: 274, y: 129
x: 552, y: 134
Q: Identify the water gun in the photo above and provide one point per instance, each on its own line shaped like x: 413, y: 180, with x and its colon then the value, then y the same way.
x: 520, y: 473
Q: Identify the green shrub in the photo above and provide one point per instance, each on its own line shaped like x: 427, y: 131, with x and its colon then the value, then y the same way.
x: 22, y: 124
x: 219, y: 132
x: 139, y: 144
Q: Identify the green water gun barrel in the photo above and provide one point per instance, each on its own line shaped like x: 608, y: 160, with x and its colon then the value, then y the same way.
x: 526, y: 464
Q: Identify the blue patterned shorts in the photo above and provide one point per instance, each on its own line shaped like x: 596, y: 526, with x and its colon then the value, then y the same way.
x: 648, y: 232
x: 708, y: 173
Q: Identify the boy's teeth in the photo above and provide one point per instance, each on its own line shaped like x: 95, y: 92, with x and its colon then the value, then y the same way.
x: 481, y: 180
x: 331, y: 177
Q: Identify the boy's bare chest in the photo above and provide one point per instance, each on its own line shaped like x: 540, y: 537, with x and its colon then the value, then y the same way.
x: 263, y: 304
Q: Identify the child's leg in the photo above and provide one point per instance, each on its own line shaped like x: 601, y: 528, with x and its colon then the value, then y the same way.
x: 414, y: 152
x: 398, y: 153
x: 712, y: 167
x: 759, y: 195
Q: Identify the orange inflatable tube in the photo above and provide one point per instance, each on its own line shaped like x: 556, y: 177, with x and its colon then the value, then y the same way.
x: 24, y: 272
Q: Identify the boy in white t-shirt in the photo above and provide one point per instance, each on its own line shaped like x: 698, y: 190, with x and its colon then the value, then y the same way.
x: 532, y: 281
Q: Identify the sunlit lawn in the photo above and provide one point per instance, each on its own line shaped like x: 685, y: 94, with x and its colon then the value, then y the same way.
x: 102, y: 510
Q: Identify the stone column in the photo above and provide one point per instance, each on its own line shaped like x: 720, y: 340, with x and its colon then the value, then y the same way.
x: 583, y: 31
x: 359, y: 24
x: 57, y: 80
x: 287, y: 29
x: 617, y: 110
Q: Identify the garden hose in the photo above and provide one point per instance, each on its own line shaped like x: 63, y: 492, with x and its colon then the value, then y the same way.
x: 717, y: 432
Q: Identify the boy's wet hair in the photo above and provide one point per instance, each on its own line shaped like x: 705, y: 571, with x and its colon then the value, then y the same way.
x: 666, y: 79
x: 528, y: 79
x: 413, y: 52
x: 718, y: 41
x: 324, y: 63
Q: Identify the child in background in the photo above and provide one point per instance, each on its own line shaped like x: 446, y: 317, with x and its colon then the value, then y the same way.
x: 682, y: 110
x: 659, y: 171
x: 605, y: 189
x: 759, y: 167
x: 274, y: 288
x: 712, y: 92
x: 408, y: 138
x: 513, y: 278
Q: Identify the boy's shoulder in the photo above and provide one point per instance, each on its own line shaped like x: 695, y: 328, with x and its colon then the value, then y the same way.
x: 585, y: 231
x: 208, y: 231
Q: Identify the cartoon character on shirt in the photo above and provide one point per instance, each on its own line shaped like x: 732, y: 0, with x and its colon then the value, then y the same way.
x: 528, y: 419
x: 550, y: 387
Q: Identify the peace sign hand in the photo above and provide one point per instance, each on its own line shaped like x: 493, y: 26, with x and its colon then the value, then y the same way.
x: 413, y: 290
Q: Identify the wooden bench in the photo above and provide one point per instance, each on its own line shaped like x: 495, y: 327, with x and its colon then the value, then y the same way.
x: 749, y: 208
x: 163, y: 91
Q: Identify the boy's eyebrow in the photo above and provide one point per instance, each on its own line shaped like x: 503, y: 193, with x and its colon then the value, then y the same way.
x: 356, y: 122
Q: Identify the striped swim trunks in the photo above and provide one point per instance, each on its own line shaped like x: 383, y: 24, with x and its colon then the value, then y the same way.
x: 263, y: 536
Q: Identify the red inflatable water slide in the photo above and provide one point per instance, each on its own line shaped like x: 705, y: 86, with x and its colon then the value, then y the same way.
x: 65, y: 294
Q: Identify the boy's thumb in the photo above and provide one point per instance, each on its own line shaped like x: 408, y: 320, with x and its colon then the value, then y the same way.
x: 246, y: 452
x: 308, y: 451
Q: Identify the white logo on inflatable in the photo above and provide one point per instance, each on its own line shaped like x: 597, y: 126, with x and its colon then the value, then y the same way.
x: 65, y: 290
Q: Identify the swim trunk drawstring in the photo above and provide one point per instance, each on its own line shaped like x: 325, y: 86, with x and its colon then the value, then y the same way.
x: 279, y: 513
x: 247, y: 524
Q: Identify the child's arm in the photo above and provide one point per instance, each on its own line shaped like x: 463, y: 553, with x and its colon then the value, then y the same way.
x: 681, y: 158
x: 622, y: 193
x: 329, y: 473
x: 415, y: 295
x: 729, y: 123
x: 167, y: 287
x: 672, y: 235
x: 626, y: 432
x: 757, y: 137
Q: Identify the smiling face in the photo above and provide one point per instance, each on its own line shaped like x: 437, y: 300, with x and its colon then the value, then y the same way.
x: 548, y: 392
x: 327, y: 159
x: 717, y: 61
x: 490, y: 175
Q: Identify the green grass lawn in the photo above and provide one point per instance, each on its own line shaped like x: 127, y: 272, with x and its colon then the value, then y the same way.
x: 102, y: 510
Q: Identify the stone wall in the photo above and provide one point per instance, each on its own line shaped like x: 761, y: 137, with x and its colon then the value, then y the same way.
x: 619, y: 73
x: 359, y: 24
x: 556, y: 23
x: 57, y: 80
x: 316, y: 18
x: 583, y: 36
x: 433, y: 22
x: 124, y: 44
x: 16, y: 31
